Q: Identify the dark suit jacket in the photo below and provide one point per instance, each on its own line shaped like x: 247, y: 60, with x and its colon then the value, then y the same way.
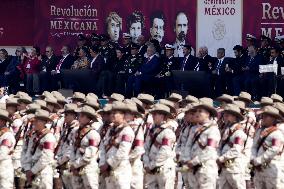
x: 227, y: 61
x: 152, y: 67
x: 204, y: 63
x: 12, y: 67
x: 97, y: 65
x: 190, y: 63
x: 253, y: 64
x: 67, y: 63
x: 237, y: 65
x: 143, y: 50
x: 49, y: 64
x: 4, y: 65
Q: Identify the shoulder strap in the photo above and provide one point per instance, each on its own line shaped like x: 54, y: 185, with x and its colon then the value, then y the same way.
x: 45, y: 132
x: 156, y: 135
x: 114, y: 135
x: 231, y: 132
x: 198, y: 134
x: 81, y: 134
x: 135, y: 135
x: 264, y: 134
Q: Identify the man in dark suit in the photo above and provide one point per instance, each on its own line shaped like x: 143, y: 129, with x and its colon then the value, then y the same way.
x: 205, y: 61
x: 48, y: 64
x: 12, y: 74
x: 145, y: 74
x: 237, y: 71
x: 189, y: 62
x: 143, y: 47
x: 4, y: 62
x: 96, y: 64
x: 65, y: 63
x: 251, y: 71
x: 222, y: 78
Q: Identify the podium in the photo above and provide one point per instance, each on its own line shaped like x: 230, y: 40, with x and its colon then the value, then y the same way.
x: 196, y: 83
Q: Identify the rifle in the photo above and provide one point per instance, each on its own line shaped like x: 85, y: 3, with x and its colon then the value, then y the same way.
x: 18, y: 134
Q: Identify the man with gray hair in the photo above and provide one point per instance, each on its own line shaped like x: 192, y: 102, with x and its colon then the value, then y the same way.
x: 145, y: 74
x: 205, y: 61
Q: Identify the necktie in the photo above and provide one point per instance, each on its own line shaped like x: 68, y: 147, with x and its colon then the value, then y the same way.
x: 184, y: 62
x: 59, y: 65
x: 219, y: 66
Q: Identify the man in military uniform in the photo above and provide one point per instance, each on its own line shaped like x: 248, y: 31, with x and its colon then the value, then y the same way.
x: 159, y: 154
x: 231, y: 158
x: 62, y: 151
x: 127, y: 44
x: 7, y: 142
x: 95, y: 40
x: 204, y: 147
x: 109, y: 54
x: 115, y: 163
x: 267, y: 157
x: 132, y: 64
x: 264, y: 49
x: 250, y: 41
x: 164, y: 78
x: 84, y: 155
x: 134, y: 119
x: 41, y: 158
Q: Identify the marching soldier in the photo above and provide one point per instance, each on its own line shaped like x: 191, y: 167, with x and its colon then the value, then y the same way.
x: 41, y: 157
x: 203, y: 150
x: 84, y: 152
x: 62, y: 150
x: 105, y: 114
x: 231, y: 160
x: 137, y: 149
x: 182, y: 145
x: 159, y: 153
x: 267, y: 157
x: 7, y: 142
x: 115, y: 163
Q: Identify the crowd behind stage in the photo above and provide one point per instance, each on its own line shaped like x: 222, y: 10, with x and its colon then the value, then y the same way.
x: 54, y: 142
x: 131, y: 68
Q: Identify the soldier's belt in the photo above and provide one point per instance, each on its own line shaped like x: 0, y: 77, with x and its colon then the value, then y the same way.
x: 228, y: 163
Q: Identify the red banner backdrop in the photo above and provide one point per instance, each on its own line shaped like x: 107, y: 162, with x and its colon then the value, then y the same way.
x: 58, y: 22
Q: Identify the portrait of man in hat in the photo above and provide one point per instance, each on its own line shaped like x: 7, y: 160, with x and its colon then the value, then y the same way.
x: 157, y: 21
x: 135, y: 24
x: 113, y: 26
x: 180, y: 29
